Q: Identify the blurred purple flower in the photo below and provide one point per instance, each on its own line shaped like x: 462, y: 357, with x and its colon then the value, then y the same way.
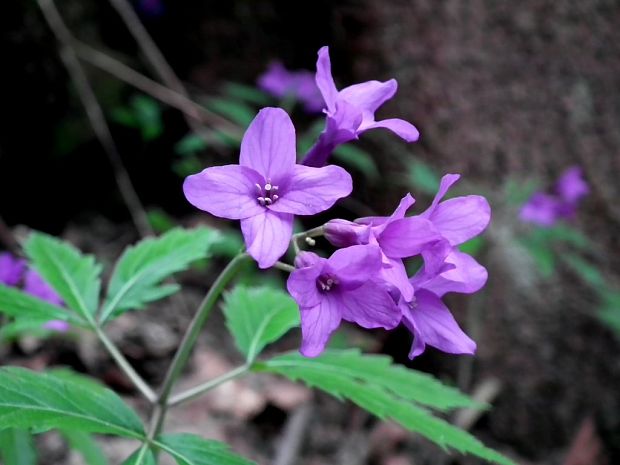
x: 351, y: 111
x: 36, y: 286
x: 342, y: 287
x: 11, y: 269
x: 282, y: 83
x: 58, y: 326
x: 267, y: 188
x: 427, y: 317
x: 545, y: 210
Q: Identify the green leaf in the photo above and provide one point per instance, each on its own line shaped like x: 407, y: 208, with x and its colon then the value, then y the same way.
x: 125, y: 117
x: 17, y: 447
x: 139, y: 272
x: 190, y: 145
x: 588, y: 272
x: 20, y: 305
x: 359, y: 159
x: 609, y: 312
x: 86, y: 445
x: 472, y: 246
x: 423, y: 178
x: 188, y: 449
x: 388, y: 391
x: 237, y: 112
x: 247, y: 93
x: 75, y: 277
x: 258, y: 316
x: 143, y: 456
x: 148, y: 116
x: 159, y: 220
x: 44, y: 401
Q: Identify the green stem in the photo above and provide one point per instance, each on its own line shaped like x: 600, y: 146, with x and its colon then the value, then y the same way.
x: 284, y: 267
x: 125, y: 366
x: 188, y: 342
x: 197, y: 391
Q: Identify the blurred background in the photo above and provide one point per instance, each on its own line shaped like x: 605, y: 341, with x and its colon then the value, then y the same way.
x: 508, y: 94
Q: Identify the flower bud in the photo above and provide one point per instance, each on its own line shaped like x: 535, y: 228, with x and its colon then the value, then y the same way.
x: 343, y: 233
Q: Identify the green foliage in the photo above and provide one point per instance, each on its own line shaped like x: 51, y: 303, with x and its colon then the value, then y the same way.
x: 138, y: 273
x: 472, y: 246
x: 258, y: 316
x: 586, y: 271
x: 354, y: 157
x: 609, y: 311
x: 238, y: 112
x: 75, y: 277
x: 188, y: 449
x: 143, y: 113
x: 86, y: 445
x: 423, y: 178
x: 142, y: 456
x: 387, y: 391
x: 27, y: 308
x: 45, y: 401
x: 245, y: 93
x: 160, y: 221
x: 17, y: 447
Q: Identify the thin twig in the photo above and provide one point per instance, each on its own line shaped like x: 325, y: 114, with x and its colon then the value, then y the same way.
x: 153, y: 54
x: 121, y: 71
x: 293, y: 435
x: 95, y: 115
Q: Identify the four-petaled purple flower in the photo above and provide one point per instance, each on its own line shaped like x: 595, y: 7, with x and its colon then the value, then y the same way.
x: 11, y: 269
x: 300, y: 85
x: 267, y: 188
x: 343, y: 287
x: 543, y: 209
x: 351, y: 111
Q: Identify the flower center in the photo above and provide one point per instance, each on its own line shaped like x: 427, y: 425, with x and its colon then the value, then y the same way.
x: 325, y: 283
x: 267, y: 194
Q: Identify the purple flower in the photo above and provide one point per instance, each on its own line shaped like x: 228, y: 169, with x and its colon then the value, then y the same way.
x: 282, y: 83
x: 11, y: 269
x: 545, y: 210
x: 36, y: 286
x: 267, y: 188
x: 351, y: 111
x: 58, y: 326
x: 342, y: 287
x: 427, y: 317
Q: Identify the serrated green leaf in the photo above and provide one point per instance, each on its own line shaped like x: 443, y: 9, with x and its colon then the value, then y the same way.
x: 258, y: 316
x: 359, y: 159
x: 237, y: 112
x: 188, y: 449
x: 143, y: 456
x: 75, y: 277
x: 376, y: 385
x: 248, y: 93
x: 18, y: 304
x: 140, y: 270
x: 17, y: 447
x: 44, y: 401
x: 86, y: 445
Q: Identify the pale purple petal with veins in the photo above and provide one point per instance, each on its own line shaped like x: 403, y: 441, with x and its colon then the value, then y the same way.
x: 370, y: 306
x: 405, y: 203
x: 301, y: 283
x: 354, y: 265
x: 324, y: 79
x: 317, y: 324
x: 394, y: 273
x: 403, y: 129
x: 432, y: 324
x: 369, y: 96
x: 227, y: 191
x: 268, y: 145
x: 461, y: 218
x: 407, y: 237
x: 446, y: 182
x: 267, y: 236
x: 313, y: 190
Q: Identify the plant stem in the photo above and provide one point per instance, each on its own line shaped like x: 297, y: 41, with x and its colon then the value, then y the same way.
x: 197, y: 391
x: 124, y: 365
x: 189, y: 340
x: 284, y: 267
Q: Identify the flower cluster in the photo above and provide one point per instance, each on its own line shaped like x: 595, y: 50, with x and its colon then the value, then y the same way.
x: 546, y: 209
x: 14, y: 271
x: 300, y: 85
x: 365, y: 281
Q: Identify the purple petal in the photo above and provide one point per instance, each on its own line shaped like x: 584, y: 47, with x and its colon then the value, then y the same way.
x: 435, y: 255
x: 461, y: 218
x: 301, y: 284
x: 571, y: 186
x: 276, y: 80
x: 268, y: 145
x: 370, y: 306
x: 407, y: 237
x: 11, y: 269
x: 305, y: 259
x: 227, y: 191
x: 541, y: 209
x: 343, y: 123
x: 395, y: 273
x: 57, y: 325
x: 400, y: 127
x: 354, y: 265
x: 446, y: 182
x: 467, y: 276
x: 317, y: 324
x: 343, y: 233
x: 313, y: 190
x: 267, y: 236
x: 405, y: 203
x: 369, y: 96
x: 37, y: 287
x: 433, y: 324
x: 324, y: 79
